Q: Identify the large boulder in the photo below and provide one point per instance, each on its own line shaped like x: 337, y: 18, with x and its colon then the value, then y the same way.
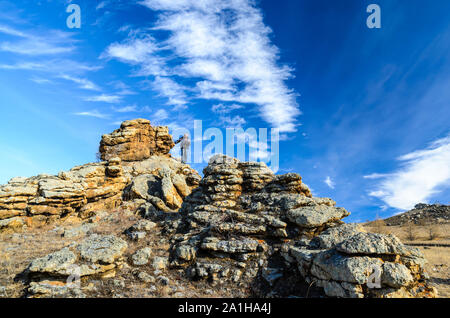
x: 136, y: 140
x: 96, y: 255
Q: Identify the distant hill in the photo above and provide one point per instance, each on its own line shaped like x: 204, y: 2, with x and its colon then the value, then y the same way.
x: 422, y: 214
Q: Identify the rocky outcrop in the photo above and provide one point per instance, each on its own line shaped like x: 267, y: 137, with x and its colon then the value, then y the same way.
x: 160, y: 180
x: 136, y: 140
x: 245, y: 225
x: 360, y: 265
x: 82, y: 190
x: 423, y: 214
x: 240, y: 225
x: 97, y: 255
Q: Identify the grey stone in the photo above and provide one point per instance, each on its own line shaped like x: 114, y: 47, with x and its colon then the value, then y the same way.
x: 335, y: 235
x: 235, y: 246
x: 142, y: 256
x: 58, y: 262
x: 315, y: 216
x: 329, y: 265
x: 159, y: 263
x: 374, y: 244
x: 145, y: 277
x: 103, y: 249
x: 396, y: 275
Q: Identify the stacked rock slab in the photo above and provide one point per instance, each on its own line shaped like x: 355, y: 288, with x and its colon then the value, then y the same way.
x: 83, y: 189
x: 244, y: 223
x: 347, y: 262
x: 136, y: 140
x: 155, y: 179
x: 57, y: 274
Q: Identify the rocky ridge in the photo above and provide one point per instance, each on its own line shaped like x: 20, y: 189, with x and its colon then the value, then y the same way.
x: 87, y: 189
x: 422, y: 214
x: 243, y: 222
x: 239, y: 226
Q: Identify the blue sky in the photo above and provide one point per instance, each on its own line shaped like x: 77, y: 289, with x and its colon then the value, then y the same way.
x: 363, y: 113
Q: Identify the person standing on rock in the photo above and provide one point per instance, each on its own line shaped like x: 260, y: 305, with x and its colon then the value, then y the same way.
x: 185, y: 143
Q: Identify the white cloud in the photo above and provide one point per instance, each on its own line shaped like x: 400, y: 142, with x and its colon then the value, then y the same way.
x: 104, y: 98
x: 225, y: 109
x: 82, y: 82
x: 11, y: 31
x: 159, y: 115
x: 138, y: 51
x: 126, y: 109
x: 40, y: 80
x: 423, y: 173
x: 101, y: 5
x: 224, y: 48
x: 329, y: 182
x: 51, y: 66
x: 172, y: 90
x: 93, y: 113
x: 122, y: 88
x: 232, y: 122
x: 376, y: 175
x: 30, y: 43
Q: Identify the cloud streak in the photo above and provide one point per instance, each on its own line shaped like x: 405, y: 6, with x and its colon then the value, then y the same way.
x: 55, y: 42
x: 104, y: 98
x: 329, y: 182
x: 224, y: 50
x: 423, y: 173
x: 93, y: 113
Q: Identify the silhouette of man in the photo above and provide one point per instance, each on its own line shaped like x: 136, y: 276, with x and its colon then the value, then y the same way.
x: 185, y: 143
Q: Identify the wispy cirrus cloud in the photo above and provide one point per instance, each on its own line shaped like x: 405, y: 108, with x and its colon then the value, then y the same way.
x: 232, y: 122
x: 174, y: 92
x: 222, y: 47
x: 104, y: 98
x: 82, y: 82
x: 30, y: 43
x: 423, y: 173
x: 52, y: 66
x: 93, y: 113
x: 126, y: 109
x: 225, y: 109
x: 329, y: 182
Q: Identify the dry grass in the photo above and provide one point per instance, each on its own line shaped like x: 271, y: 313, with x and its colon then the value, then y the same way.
x: 439, y: 233
x: 438, y: 268
x: 19, y: 249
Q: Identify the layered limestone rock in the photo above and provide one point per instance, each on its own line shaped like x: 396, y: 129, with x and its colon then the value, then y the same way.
x: 157, y: 179
x: 54, y: 274
x: 243, y: 223
x: 83, y: 189
x: 348, y: 263
x: 240, y: 225
x: 136, y: 140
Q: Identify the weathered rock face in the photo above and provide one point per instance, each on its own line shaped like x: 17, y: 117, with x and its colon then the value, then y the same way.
x: 243, y: 223
x: 160, y: 180
x: 136, y: 140
x: 240, y: 224
x: 97, y: 255
x: 82, y: 189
